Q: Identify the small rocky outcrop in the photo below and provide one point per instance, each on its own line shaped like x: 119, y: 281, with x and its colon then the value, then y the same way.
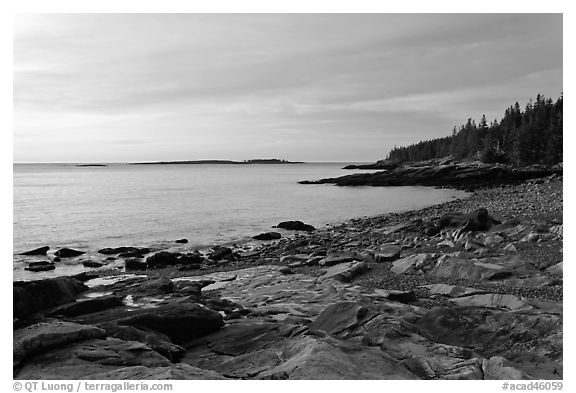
x: 120, y: 250
x: 40, y: 266
x: 478, y: 220
x: 32, y: 296
x: 68, y: 253
x: 37, y: 251
x: 268, y: 236
x: 465, y: 175
x: 181, y: 241
x: 295, y: 226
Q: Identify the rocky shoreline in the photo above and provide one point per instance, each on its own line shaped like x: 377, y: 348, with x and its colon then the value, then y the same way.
x: 443, y: 172
x: 469, y: 289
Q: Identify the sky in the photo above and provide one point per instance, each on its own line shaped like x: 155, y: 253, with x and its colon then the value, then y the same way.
x: 306, y: 87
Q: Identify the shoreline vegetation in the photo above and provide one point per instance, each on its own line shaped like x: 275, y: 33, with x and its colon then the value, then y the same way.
x: 467, y: 289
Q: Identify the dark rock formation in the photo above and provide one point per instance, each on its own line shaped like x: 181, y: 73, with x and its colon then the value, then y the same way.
x: 458, y: 175
x: 86, y: 306
x: 46, y: 335
x: 30, y: 297
x: 219, y: 253
x: 135, y: 264
x: 295, y: 226
x: 92, y: 264
x: 181, y: 241
x: 268, y: 236
x: 119, y: 250
x: 478, y: 220
x: 40, y: 266
x: 37, y: 251
x: 162, y: 258
x: 68, y: 253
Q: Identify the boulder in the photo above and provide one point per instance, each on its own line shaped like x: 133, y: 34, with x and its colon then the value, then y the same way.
x: 37, y: 251
x: 162, y: 259
x: 478, y: 220
x: 219, y: 253
x: 135, y: 264
x: 47, y: 335
x: 119, y: 250
x: 40, y: 266
x: 92, y: 264
x: 191, y: 258
x: 181, y: 241
x: 30, y: 297
x: 81, y: 359
x: 345, y: 272
x: 68, y: 253
x: 409, y: 264
x: 158, y: 342
x: 180, y: 320
x: 295, y: 226
x: 268, y: 236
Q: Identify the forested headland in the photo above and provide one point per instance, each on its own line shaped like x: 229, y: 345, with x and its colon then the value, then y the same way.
x: 521, y: 137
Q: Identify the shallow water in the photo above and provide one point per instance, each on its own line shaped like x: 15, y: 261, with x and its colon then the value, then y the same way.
x: 62, y: 205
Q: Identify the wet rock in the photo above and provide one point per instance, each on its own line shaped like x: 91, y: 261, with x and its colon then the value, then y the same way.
x: 220, y: 253
x: 180, y: 371
x: 47, y: 335
x: 89, y: 357
x: 92, y: 264
x: 40, y: 266
x: 191, y: 258
x: 326, y: 358
x: 68, y: 253
x: 179, y: 320
x: 30, y: 297
x: 37, y: 251
x: 119, y: 250
x: 162, y: 259
x: 135, y: 264
x: 158, y: 342
x: 86, y: 306
x: 268, y: 236
x: 181, y: 241
x: 296, y: 226
x: 85, y: 276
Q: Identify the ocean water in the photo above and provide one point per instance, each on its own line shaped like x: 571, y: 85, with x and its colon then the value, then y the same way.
x: 87, y: 208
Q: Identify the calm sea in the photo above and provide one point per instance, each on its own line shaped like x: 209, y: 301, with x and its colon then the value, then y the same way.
x: 87, y: 208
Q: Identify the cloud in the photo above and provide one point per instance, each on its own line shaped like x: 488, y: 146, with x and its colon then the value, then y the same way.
x: 192, y: 76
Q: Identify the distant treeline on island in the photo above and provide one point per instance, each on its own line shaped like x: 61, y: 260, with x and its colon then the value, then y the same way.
x: 521, y: 137
x: 255, y: 161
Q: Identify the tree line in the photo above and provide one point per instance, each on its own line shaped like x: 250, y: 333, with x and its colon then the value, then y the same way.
x: 521, y: 137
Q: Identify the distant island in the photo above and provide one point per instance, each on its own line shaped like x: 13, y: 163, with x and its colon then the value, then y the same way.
x: 91, y: 165
x: 212, y: 162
